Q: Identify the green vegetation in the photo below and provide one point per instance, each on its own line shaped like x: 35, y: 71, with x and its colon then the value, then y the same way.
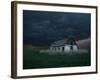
x: 32, y: 58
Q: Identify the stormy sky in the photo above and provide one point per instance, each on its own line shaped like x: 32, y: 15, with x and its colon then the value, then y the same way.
x: 44, y: 27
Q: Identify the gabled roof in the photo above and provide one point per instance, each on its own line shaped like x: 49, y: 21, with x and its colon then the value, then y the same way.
x: 63, y: 42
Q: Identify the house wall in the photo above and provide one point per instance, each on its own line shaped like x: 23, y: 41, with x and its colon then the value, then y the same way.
x: 67, y: 48
x: 58, y: 49
x: 75, y: 48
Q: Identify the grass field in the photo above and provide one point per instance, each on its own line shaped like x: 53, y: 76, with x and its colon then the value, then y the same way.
x: 33, y: 59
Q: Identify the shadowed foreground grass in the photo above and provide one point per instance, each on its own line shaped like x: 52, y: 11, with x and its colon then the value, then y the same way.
x: 33, y: 59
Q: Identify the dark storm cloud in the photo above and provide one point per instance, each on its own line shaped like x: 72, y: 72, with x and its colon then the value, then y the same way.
x: 42, y: 27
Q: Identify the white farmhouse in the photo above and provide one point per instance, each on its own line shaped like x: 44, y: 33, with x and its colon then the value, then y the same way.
x: 65, y: 45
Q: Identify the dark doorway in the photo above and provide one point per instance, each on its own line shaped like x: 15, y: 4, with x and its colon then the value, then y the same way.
x: 62, y: 48
x: 71, y: 47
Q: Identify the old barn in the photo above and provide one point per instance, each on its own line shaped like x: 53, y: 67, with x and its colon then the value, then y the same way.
x: 64, y: 45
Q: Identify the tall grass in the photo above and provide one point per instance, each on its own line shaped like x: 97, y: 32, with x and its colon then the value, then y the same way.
x: 32, y: 58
